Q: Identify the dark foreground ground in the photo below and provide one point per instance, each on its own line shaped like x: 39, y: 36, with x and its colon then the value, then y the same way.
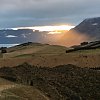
x: 65, y: 82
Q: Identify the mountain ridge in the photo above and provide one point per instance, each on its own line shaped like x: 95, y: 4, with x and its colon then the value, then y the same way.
x: 89, y: 26
x: 88, y: 30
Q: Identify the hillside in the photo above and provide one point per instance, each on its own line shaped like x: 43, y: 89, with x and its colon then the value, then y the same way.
x: 64, y: 82
x: 13, y: 91
x: 48, y: 55
x: 10, y: 90
x: 33, y: 48
x: 84, y: 46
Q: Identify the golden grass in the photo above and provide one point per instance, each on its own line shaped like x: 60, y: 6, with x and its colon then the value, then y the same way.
x: 50, y: 56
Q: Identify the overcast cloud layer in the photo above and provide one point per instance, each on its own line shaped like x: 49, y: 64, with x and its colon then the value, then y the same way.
x: 16, y: 13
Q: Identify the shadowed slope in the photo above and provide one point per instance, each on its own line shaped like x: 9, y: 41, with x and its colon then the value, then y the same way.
x: 65, y: 82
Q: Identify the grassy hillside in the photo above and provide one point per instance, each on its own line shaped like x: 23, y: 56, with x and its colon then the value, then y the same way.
x: 4, y: 85
x: 22, y: 92
x: 12, y: 91
x: 34, y: 48
x: 65, y: 82
x: 49, y: 56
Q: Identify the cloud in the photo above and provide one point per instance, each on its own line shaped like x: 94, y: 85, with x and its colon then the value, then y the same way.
x: 15, y: 13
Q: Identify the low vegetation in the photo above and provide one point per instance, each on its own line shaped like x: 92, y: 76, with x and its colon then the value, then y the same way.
x: 85, y: 46
x: 64, y: 82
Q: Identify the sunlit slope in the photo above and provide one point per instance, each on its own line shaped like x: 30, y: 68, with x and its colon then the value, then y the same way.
x: 4, y: 85
x: 22, y: 93
x: 34, y: 48
x: 12, y: 91
x: 49, y: 56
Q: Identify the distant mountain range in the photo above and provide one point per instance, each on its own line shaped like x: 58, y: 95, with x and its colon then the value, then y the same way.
x: 20, y: 36
x: 26, y: 35
x: 87, y: 30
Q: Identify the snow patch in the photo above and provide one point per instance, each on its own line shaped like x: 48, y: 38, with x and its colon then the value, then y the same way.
x: 8, y: 45
x: 11, y: 36
x: 29, y: 33
x: 95, y: 24
x: 24, y: 35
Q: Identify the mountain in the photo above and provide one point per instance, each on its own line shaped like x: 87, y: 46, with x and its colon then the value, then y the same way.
x: 17, y: 36
x: 87, y: 30
x: 90, y: 26
x: 9, y: 36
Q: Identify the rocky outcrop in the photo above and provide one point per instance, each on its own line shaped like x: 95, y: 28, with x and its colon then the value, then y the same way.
x: 86, y: 46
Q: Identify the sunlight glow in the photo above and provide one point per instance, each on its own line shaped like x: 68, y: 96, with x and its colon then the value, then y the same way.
x: 48, y: 28
x: 54, y: 32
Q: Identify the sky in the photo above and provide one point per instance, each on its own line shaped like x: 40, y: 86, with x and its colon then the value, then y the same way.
x: 26, y: 13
